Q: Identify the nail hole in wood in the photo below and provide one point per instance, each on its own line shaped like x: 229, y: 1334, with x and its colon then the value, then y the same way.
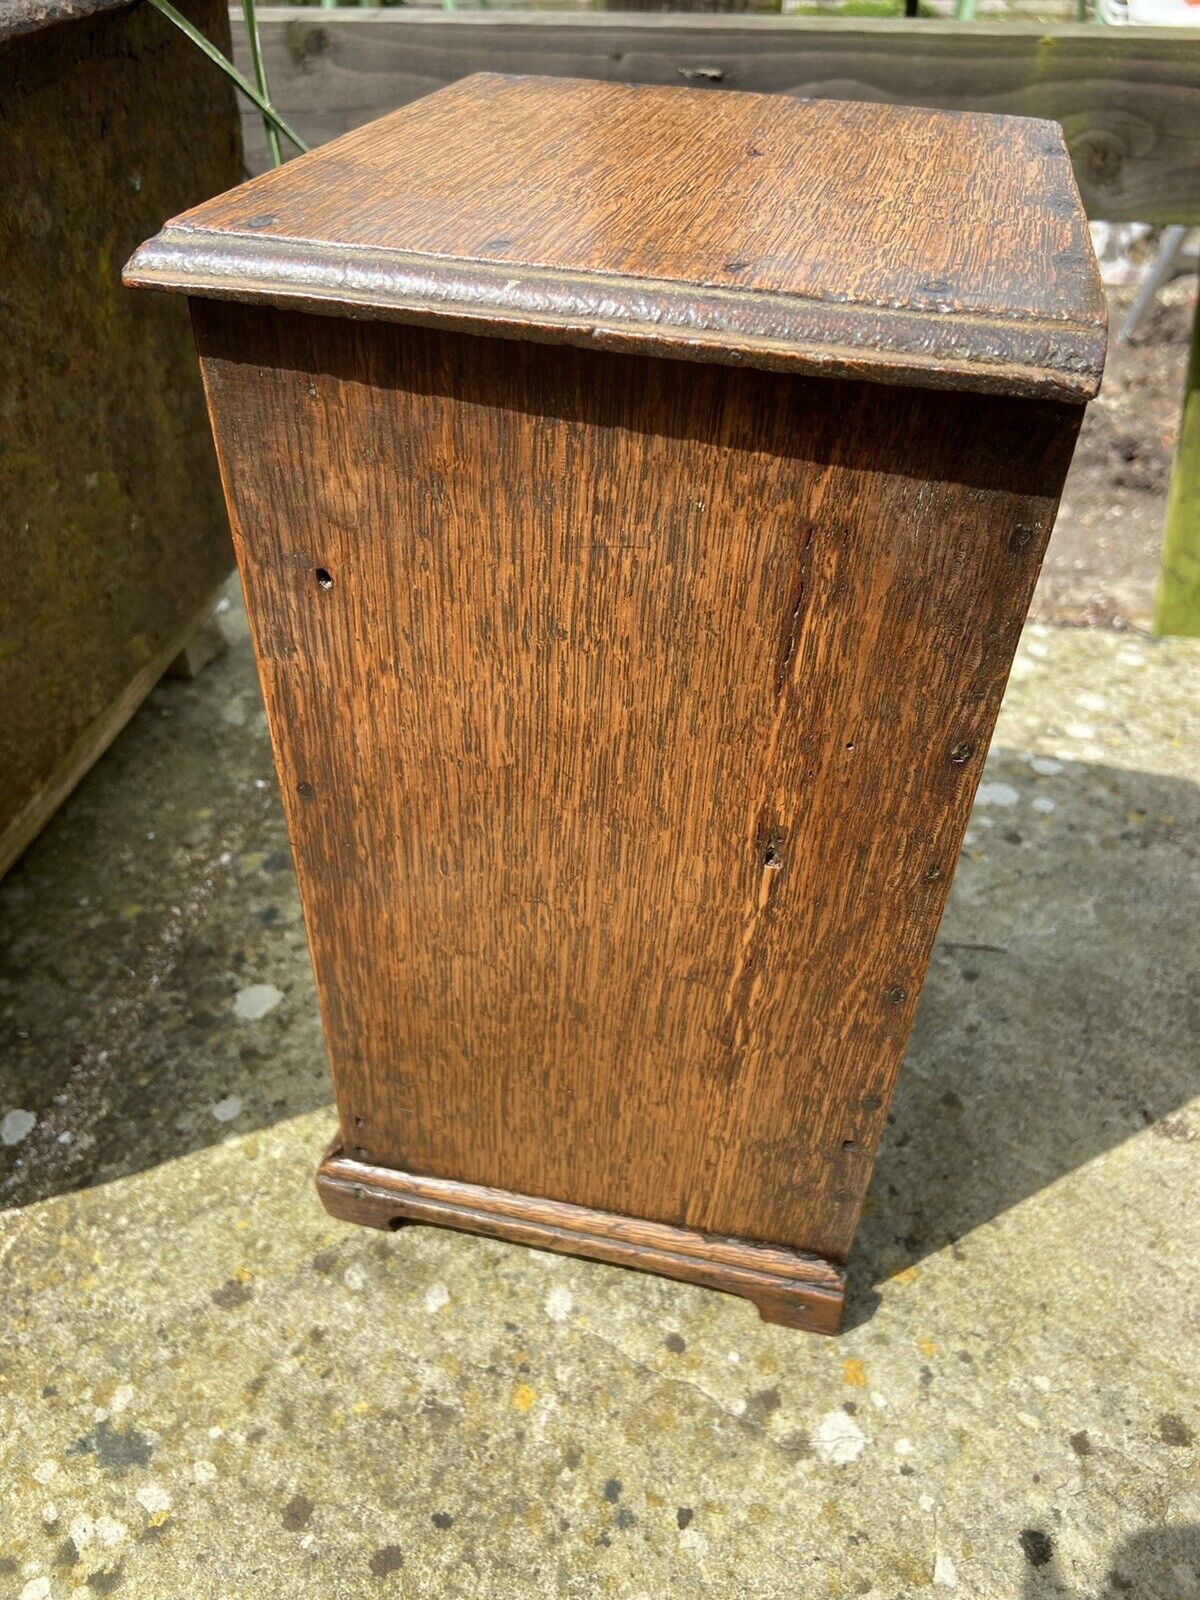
x: 324, y: 578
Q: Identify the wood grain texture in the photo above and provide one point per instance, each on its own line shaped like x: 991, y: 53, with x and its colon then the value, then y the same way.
x: 112, y: 529
x: 791, y: 1287
x: 1128, y: 98
x: 909, y: 246
x: 628, y: 716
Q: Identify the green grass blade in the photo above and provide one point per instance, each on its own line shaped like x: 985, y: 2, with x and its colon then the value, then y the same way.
x: 260, y: 78
x: 228, y: 68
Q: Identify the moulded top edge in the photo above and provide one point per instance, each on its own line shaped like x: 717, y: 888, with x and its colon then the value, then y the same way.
x: 887, y: 242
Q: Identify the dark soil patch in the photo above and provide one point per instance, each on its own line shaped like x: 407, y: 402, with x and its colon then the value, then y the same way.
x: 1102, y: 565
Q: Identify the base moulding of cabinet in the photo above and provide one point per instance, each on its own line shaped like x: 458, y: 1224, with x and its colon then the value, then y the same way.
x: 790, y: 1287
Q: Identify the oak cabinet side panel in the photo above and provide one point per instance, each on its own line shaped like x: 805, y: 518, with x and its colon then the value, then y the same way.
x: 628, y: 716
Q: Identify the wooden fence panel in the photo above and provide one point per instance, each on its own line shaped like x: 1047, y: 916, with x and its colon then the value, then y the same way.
x: 1128, y: 98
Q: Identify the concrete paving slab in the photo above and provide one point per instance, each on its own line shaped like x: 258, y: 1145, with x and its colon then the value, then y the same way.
x: 210, y: 1389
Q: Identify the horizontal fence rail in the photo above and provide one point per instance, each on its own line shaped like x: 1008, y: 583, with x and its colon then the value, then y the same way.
x: 1128, y: 98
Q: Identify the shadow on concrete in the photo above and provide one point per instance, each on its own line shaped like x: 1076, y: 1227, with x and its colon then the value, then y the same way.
x: 161, y: 891
x: 1061, y: 1013
x: 1156, y: 1564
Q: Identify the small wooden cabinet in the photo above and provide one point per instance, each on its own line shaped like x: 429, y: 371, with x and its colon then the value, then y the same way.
x: 638, y: 494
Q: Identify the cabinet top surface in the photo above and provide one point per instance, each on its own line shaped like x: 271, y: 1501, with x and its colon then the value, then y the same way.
x: 945, y: 249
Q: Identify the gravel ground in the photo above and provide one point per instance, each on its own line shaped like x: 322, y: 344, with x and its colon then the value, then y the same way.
x: 1102, y: 565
